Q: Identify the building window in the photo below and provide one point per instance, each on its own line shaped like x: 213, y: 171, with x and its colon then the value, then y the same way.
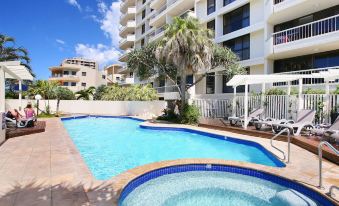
x: 83, y: 74
x: 143, y: 14
x: 210, y: 6
x: 73, y: 84
x: 143, y: 1
x: 131, y: 74
x: 229, y: 89
x: 210, y: 83
x: 74, y: 73
x: 226, y: 2
x: 237, y: 19
x: 313, y: 61
x: 211, y: 25
x: 83, y: 84
x: 103, y: 76
x: 240, y: 46
x: 66, y: 72
x: 65, y: 84
x: 143, y: 28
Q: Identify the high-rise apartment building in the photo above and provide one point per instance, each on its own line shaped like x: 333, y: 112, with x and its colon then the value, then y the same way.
x: 271, y: 36
x: 77, y: 74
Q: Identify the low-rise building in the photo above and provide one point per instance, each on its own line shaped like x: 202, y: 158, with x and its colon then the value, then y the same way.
x: 77, y: 74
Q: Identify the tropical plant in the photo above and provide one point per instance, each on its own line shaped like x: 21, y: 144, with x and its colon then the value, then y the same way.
x: 85, y: 94
x: 46, y: 89
x: 100, y: 90
x: 187, y: 47
x: 9, y: 52
x: 62, y: 93
x: 190, y: 115
x: 275, y: 91
x: 129, y: 93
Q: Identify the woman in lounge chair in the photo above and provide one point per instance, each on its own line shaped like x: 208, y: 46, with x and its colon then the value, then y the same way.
x: 29, y: 112
x: 14, y: 114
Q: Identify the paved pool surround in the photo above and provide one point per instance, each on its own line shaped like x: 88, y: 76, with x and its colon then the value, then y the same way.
x: 47, y: 169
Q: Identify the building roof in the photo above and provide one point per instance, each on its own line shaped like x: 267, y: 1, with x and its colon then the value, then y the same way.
x: 14, y: 70
x: 239, y: 80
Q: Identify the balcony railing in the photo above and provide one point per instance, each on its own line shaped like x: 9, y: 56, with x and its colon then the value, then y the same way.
x: 167, y: 89
x: 157, y: 13
x: 277, y: 1
x: 307, y: 81
x: 316, y: 28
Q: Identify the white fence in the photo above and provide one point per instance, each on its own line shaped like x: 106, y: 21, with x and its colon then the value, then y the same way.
x: 276, y: 106
x: 116, y: 108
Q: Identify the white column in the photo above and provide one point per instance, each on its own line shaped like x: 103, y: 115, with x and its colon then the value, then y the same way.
x: 2, y: 90
x: 327, y: 108
x: 234, y: 101
x: 300, y: 100
x: 263, y: 90
x: 246, y: 107
x: 288, y: 100
x: 20, y: 95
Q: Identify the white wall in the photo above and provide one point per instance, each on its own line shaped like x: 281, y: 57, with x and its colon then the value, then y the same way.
x: 115, y: 108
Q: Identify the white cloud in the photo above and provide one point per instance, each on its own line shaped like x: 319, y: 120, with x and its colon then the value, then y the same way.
x: 101, y: 53
x: 59, y: 41
x: 108, y: 20
x: 75, y: 4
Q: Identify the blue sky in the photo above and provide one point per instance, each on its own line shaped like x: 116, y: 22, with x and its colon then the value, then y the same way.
x: 52, y: 30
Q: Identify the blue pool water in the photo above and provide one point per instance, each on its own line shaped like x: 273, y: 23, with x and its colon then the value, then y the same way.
x: 214, y: 188
x: 111, y: 146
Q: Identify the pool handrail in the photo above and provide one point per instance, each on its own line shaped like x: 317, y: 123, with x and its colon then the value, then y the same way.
x: 320, y: 155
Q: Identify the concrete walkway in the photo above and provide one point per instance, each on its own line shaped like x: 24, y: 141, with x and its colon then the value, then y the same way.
x: 46, y: 169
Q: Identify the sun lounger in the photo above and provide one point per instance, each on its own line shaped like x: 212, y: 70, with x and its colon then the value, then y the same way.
x: 253, y: 116
x: 268, y: 123
x: 330, y: 134
x: 304, y: 120
x: 19, y: 124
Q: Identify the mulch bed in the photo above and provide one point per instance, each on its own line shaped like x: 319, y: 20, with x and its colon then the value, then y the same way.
x: 16, y: 132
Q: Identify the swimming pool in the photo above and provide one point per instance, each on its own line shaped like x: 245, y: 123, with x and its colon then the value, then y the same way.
x: 111, y: 145
x: 215, y: 185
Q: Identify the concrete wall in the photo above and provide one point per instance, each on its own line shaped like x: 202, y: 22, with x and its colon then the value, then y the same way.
x: 116, y: 108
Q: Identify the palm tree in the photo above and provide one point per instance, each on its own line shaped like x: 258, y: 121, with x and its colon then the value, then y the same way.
x: 9, y: 52
x: 62, y: 93
x: 86, y: 94
x: 189, y: 47
x: 46, y: 89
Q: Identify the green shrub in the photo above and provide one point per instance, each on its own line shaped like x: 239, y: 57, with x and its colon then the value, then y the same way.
x: 275, y: 91
x: 190, y: 114
x: 169, y: 115
x: 313, y: 91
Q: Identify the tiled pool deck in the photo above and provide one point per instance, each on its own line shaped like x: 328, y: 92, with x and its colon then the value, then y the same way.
x: 46, y: 169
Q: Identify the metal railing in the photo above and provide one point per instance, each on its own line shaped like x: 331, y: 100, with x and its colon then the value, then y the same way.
x: 288, y: 144
x: 330, y: 191
x: 308, y: 81
x: 159, y: 12
x: 316, y: 28
x: 320, y: 155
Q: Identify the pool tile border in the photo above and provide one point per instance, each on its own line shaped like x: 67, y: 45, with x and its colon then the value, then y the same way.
x: 133, y: 184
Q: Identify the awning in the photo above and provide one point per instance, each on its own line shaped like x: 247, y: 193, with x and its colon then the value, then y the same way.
x: 14, y: 70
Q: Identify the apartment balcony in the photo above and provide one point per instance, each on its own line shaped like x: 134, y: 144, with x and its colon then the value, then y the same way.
x: 157, y: 34
x: 129, y: 15
x: 168, y: 92
x: 317, y: 36
x: 128, y: 29
x: 156, y: 4
x: 279, y: 11
x: 127, y: 42
x: 125, y: 4
x: 126, y: 81
x: 159, y: 16
x: 64, y: 78
x: 71, y: 67
x: 123, y: 58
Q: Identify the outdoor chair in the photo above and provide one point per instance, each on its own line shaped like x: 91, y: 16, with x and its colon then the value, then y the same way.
x: 269, y: 122
x: 19, y: 124
x: 252, y: 117
x: 304, y: 120
x: 330, y: 134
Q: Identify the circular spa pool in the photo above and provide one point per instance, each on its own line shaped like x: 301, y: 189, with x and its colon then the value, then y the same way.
x: 216, y: 185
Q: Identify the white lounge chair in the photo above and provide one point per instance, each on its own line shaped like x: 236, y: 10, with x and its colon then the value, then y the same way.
x: 18, y: 124
x: 304, y: 120
x: 331, y: 134
x: 269, y: 122
x: 252, y: 117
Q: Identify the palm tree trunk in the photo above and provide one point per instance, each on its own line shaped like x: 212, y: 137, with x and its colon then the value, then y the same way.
x: 183, y: 89
x: 57, y: 107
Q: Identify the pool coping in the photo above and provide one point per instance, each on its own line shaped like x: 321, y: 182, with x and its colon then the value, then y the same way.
x: 118, y: 182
